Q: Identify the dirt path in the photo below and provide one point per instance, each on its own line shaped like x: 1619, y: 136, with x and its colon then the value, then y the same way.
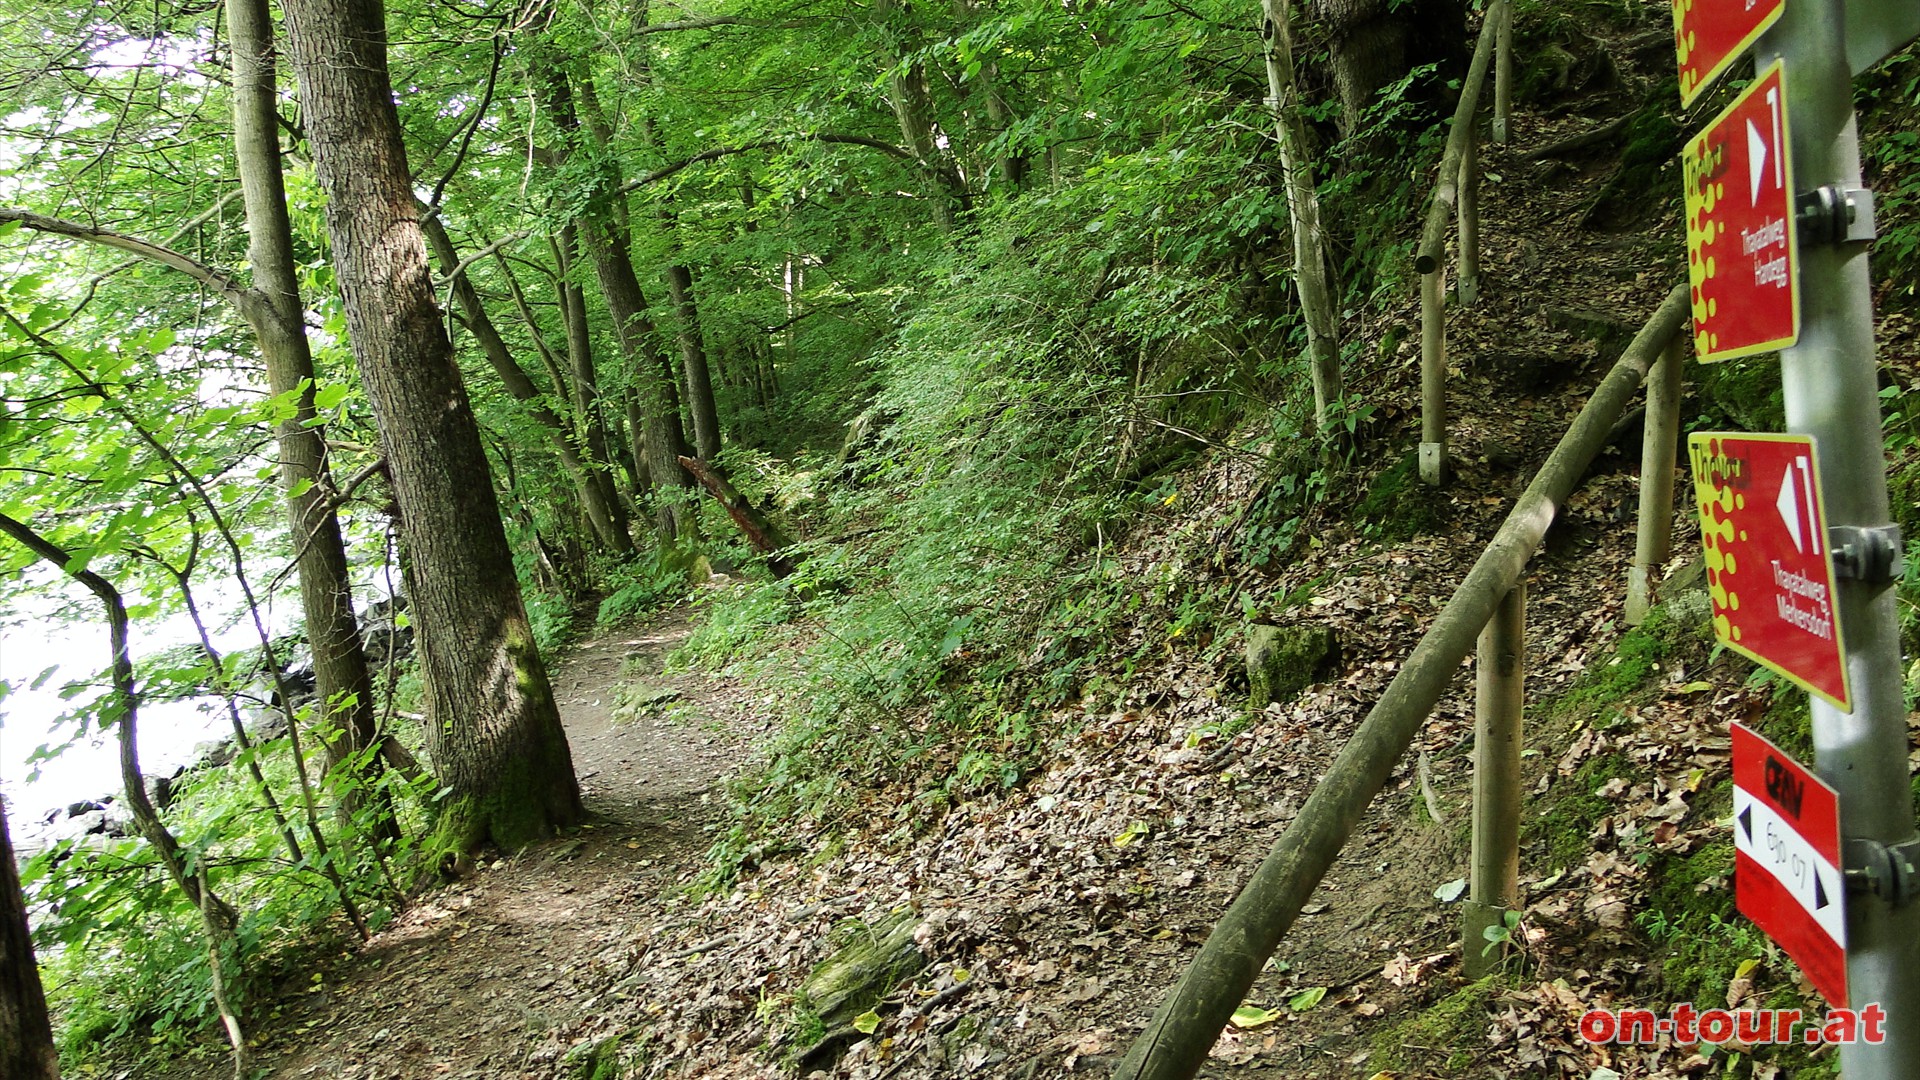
x: 470, y: 976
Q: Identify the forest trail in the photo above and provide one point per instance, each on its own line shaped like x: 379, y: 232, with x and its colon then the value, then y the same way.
x: 470, y: 975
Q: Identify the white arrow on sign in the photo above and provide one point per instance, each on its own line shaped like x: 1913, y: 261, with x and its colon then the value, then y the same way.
x: 1789, y: 506
x: 1769, y: 840
x: 1756, y: 161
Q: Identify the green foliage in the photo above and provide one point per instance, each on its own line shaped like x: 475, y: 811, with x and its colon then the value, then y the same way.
x: 644, y: 585
x: 1889, y: 99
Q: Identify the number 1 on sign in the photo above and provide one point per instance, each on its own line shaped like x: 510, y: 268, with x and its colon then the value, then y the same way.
x: 1780, y: 146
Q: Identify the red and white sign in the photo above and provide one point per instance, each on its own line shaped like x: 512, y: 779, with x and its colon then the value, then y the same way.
x: 1786, y: 877
x: 1741, y: 256
x: 1763, y: 529
x: 1709, y: 35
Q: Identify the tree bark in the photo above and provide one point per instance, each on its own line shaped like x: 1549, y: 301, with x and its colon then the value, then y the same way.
x: 343, y: 686
x: 695, y: 374
x: 693, y: 359
x: 492, y: 727
x: 1303, y: 205
x: 1373, y: 42
x: 26, y: 1032
x: 586, y: 377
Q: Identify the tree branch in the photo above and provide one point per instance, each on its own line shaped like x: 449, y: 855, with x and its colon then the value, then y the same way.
x: 240, y: 296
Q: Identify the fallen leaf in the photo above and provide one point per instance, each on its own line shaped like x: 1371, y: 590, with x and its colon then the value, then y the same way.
x: 1253, y: 1016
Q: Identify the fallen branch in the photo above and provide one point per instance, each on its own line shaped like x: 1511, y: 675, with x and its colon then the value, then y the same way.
x: 765, y: 537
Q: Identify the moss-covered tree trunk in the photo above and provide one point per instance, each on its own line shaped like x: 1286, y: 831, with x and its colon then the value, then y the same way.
x: 492, y: 727
x: 26, y: 1035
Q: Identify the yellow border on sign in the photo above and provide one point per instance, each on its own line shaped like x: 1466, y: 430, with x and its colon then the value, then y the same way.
x: 1793, y: 243
x: 1739, y: 51
x: 1844, y: 701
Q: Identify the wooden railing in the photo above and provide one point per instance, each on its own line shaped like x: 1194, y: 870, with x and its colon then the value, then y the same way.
x: 1488, y: 608
x: 1456, y: 194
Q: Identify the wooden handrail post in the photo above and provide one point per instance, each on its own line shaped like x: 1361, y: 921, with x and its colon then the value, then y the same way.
x: 1430, y: 258
x: 1493, y: 886
x: 1469, y: 286
x: 1433, y: 375
x: 1502, y: 71
x: 1659, y: 447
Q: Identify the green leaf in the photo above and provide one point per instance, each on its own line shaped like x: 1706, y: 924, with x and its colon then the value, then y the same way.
x: 1252, y: 1016
x: 1306, y: 999
x: 330, y: 396
x: 867, y: 1022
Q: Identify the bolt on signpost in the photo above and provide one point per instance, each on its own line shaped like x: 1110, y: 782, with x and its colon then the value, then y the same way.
x: 1802, y: 560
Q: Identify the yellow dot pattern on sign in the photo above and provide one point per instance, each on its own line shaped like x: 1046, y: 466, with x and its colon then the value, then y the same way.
x: 1703, y: 193
x: 1716, y: 503
x: 1684, y: 42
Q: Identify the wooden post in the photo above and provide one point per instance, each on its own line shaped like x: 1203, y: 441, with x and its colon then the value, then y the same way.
x: 1502, y: 70
x: 1493, y: 886
x: 1430, y: 257
x: 1433, y: 375
x: 1469, y: 285
x: 1658, y: 448
x: 1175, y: 1041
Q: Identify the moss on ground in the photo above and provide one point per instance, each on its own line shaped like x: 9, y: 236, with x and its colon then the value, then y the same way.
x: 1456, y: 1025
x: 1397, y: 506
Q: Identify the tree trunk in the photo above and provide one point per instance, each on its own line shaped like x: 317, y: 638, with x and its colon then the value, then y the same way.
x: 696, y: 377
x: 762, y: 534
x: 586, y: 379
x: 607, y: 244
x: 1009, y: 168
x: 911, y: 99
x: 217, y: 918
x: 605, y: 516
x: 26, y: 1033
x: 1303, y: 204
x: 693, y: 357
x: 343, y: 687
x: 492, y: 727
x: 1373, y: 42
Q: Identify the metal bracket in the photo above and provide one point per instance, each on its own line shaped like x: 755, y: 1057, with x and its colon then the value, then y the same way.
x: 1835, y: 215
x: 1891, y: 872
x: 1869, y: 554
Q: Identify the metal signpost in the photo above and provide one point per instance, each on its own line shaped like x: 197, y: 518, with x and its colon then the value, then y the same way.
x: 1829, y: 378
x: 1807, y: 52
x: 1786, y: 873
x: 1770, y: 570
